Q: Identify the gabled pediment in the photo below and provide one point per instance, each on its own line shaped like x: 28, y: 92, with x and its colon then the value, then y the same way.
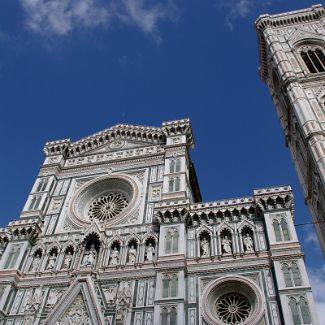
x: 78, y: 305
x: 116, y: 145
x: 119, y: 135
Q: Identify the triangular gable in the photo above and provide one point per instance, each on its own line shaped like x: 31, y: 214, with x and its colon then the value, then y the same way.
x: 78, y: 303
x: 117, y: 145
x: 93, y: 228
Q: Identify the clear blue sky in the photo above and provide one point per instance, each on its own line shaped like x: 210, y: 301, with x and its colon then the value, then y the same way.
x: 69, y: 68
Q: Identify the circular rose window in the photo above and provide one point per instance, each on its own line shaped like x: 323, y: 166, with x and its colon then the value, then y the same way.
x: 232, y: 300
x: 106, y: 199
x: 108, y: 206
x: 233, y: 308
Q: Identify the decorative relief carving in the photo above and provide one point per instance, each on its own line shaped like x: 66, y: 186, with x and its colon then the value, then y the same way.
x: 15, y: 306
x: 141, y: 293
x: 192, y: 316
x: 113, y: 156
x: 54, y: 297
x: 155, y: 193
x: 269, y: 282
x: 192, y: 289
x: 117, y: 144
x: 275, y: 314
x: 148, y: 318
x: 110, y: 294
x: 123, y: 302
x: 76, y: 314
x: 55, y: 205
x: 151, y: 292
x: 138, y: 318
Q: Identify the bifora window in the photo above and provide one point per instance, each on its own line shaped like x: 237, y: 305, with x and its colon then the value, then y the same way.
x: 314, y: 59
x: 281, y: 230
x: 291, y: 275
x: 168, y: 316
x: 299, y: 311
x: 170, y: 285
x: 171, y: 244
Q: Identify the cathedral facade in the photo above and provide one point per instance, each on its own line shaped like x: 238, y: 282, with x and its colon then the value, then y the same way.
x: 292, y: 63
x: 114, y: 232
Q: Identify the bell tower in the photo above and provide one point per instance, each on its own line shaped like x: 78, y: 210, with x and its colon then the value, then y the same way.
x: 292, y: 64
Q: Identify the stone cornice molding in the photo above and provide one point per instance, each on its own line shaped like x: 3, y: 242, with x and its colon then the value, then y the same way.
x: 145, y: 134
x: 263, y: 22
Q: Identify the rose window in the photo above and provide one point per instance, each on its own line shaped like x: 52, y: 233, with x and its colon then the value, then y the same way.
x: 109, y: 199
x: 233, y: 308
x: 232, y: 300
x: 107, y: 206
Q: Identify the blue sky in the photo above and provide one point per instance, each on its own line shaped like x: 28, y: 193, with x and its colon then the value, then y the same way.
x: 70, y: 68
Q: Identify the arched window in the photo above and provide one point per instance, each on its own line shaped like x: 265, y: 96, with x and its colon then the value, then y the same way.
x: 175, y: 165
x: 287, y: 275
x: 42, y: 185
x: 35, y: 202
x: 285, y: 231
x: 296, y: 274
x: 281, y: 230
x: 170, y: 285
x: 277, y: 231
x: 174, y: 184
x: 305, y: 315
x: 177, y: 184
x: 300, y: 311
x: 291, y: 275
x: 314, y: 59
x: 172, y: 166
x: 12, y: 257
x: 294, y: 311
x: 171, y: 183
x: 173, y: 316
x: 168, y: 316
x: 172, y: 237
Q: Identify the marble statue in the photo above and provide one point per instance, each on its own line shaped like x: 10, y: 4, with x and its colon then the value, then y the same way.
x: 67, y: 260
x: 36, y: 262
x: 132, y: 255
x: 205, y: 248
x: 150, y: 251
x: 51, y: 262
x: 110, y: 294
x: 90, y: 257
x: 115, y: 256
x: 248, y: 243
x: 227, y: 245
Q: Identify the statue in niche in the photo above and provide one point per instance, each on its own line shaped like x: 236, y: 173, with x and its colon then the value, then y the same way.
x: 115, y: 256
x: 110, y: 294
x: 90, y: 257
x: 51, y: 262
x: 150, y: 252
x: 248, y: 243
x: 67, y: 260
x: 227, y: 245
x: 132, y: 255
x: 205, y: 247
x: 36, y: 262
